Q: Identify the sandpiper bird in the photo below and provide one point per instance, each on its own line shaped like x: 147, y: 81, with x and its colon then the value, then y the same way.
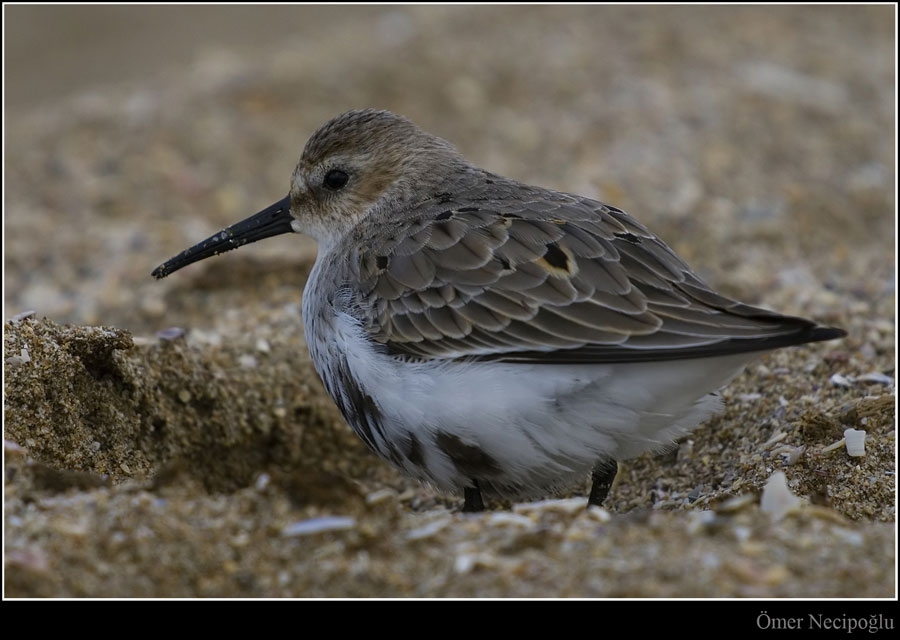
x: 489, y: 336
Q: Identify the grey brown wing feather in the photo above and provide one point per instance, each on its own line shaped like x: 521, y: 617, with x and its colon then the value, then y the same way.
x: 552, y: 279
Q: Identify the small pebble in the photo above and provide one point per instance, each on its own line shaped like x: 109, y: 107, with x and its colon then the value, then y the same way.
x: 504, y: 518
x: 382, y: 495
x: 318, y: 525
x: 568, y: 505
x: 427, y: 530
x: 172, y: 333
x: 876, y: 376
x: 839, y: 381
x: 777, y: 499
x: 22, y: 316
x: 855, y: 441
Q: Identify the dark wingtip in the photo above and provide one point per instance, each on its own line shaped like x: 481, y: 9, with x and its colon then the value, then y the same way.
x: 805, y: 333
x: 818, y: 334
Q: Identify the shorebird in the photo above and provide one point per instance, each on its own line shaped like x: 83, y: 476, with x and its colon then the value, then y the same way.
x: 487, y: 336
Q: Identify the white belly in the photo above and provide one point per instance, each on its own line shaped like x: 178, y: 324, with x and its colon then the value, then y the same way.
x: 538, y: 426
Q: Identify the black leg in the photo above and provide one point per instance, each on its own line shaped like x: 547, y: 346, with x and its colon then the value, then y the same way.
x: 603, y: 475
x: 472, y: 503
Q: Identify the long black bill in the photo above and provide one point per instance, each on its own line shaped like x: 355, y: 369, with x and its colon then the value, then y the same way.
x: 271, y: 221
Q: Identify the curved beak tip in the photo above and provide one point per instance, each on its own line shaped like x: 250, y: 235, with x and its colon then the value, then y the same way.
x: 274, y: 220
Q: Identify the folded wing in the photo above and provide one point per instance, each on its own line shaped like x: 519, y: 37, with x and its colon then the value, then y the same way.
x: 554, y: 279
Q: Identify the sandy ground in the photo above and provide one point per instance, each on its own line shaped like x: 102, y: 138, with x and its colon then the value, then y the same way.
x: 170, y: 439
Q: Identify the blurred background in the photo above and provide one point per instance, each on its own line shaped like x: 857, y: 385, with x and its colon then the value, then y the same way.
x: 757, y: 141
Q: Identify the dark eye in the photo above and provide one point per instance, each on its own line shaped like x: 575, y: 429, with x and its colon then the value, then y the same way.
x: 335, y: 179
